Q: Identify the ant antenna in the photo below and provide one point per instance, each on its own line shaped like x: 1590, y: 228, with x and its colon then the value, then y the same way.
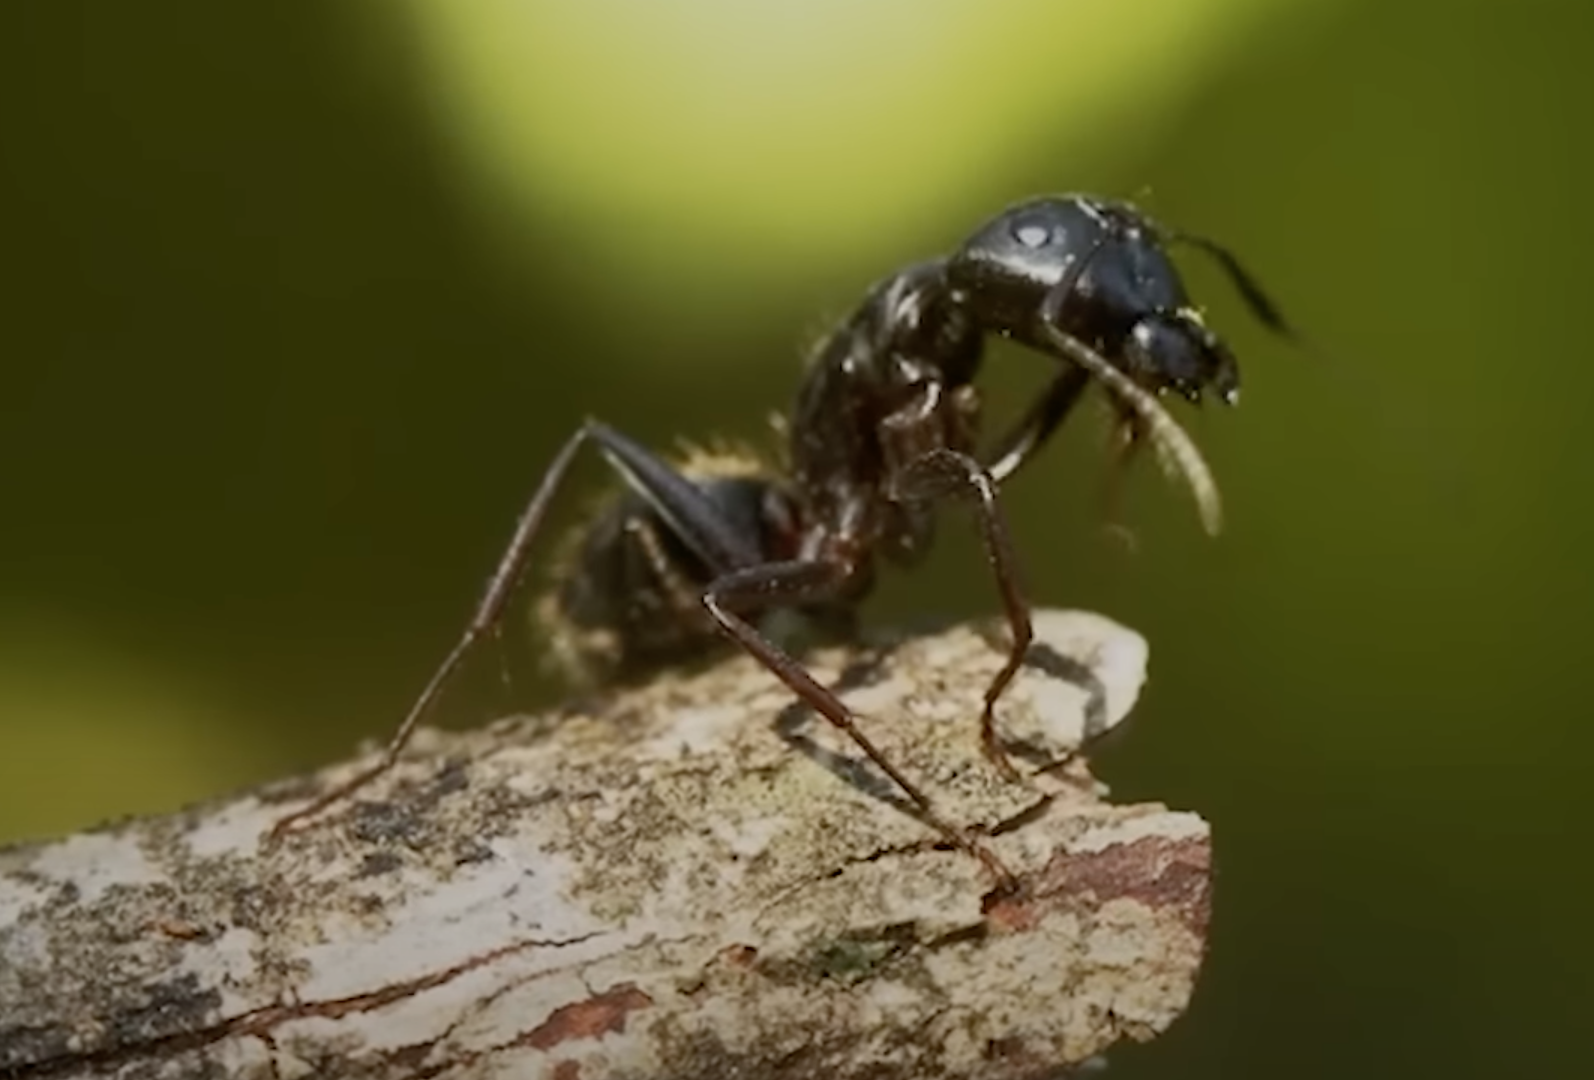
x: 1256, y: 298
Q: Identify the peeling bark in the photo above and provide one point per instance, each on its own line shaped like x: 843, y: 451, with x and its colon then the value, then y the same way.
x: 688, y: 879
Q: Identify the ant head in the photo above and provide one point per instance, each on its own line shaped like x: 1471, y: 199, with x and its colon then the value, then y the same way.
x: 1014, y: 259
x: 1174, y: 350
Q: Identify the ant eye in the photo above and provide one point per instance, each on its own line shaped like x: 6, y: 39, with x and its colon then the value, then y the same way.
x: 1032, y: 233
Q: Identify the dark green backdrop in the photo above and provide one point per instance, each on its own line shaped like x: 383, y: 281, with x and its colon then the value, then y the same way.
x: 269, y: 403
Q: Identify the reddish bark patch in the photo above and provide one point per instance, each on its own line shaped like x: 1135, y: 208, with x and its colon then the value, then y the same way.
x: 1170, y: 875
x: 739, y: 956
x: 597, y: 1016
x: 1015, y: 914
x: 567, y: 1070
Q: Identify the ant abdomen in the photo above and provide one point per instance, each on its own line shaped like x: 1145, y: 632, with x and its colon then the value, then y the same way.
x: 624, y: 596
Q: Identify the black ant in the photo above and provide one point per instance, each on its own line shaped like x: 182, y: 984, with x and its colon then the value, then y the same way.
x: 884, y: 426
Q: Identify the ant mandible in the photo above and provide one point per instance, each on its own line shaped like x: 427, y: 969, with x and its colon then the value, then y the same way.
x: 884, y: 427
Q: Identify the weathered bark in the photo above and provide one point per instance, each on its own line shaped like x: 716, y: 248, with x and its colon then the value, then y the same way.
x: 688, y: 879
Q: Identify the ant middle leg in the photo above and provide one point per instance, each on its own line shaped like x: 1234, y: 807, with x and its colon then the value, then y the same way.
x: 943, y: 473
x: 794, y: 583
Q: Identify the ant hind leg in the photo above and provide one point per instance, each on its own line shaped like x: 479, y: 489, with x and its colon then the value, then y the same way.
x: 695, y: 519
x: 794, y: 583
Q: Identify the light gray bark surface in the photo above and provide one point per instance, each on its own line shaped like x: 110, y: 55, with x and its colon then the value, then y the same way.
x: 689, y: 879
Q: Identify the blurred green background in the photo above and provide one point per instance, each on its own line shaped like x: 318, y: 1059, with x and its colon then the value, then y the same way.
x: 300, y: 297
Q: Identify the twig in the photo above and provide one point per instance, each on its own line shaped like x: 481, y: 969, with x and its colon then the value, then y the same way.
x: 686, y: 879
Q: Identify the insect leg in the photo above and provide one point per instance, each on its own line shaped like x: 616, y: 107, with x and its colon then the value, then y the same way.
x: 677, y: 499
x: 943, y: 473
x: 794, y: 583
x: 1039, y: 423
x: 1126, y: 438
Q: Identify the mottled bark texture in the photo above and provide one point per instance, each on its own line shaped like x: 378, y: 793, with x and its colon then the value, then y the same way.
x: 692, y: 879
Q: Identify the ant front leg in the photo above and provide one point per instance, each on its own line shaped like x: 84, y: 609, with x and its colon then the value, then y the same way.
x: 941, y: 473
x: 794, y: 583
x: 1039, y: 422
x: 692, y: 516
